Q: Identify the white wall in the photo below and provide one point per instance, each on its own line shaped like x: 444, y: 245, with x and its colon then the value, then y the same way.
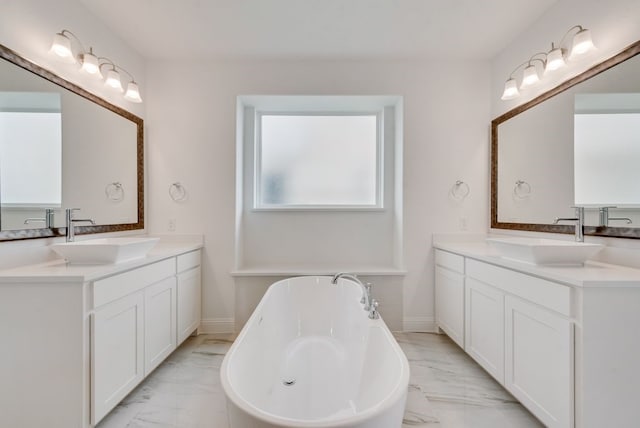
x: 191, y: 121
x: 27, y: 27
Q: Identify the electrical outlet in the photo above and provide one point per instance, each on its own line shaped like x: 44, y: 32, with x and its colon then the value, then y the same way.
x: 463, y: 223
x: 171, y: 226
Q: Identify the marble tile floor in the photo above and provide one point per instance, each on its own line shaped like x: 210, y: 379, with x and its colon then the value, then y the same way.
x: 447, y: 389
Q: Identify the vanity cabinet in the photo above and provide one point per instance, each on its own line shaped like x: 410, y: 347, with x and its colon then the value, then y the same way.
x: 117, y: 353
x: 133, y: 330
x: 189, y: 292
x: 80, y: 338
x: 159, y: 323
x: 519, y: 328
x: 484, y: 321
x: 539, y: 361
x: 449, y: 293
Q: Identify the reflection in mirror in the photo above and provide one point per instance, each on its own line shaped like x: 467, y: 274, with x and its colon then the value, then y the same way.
x: 534, y: 143
x: 30, y: 158
x: 607, y: 149
x: 62, y: 147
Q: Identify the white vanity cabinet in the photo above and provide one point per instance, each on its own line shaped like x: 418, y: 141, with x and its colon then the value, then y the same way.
x: 539, y: 361
x: 78, y: 339
x: 117, y: 352
x: 133, y: 330
x: 484, y: 321
x: 521, y: 332
x: 449, y: 292
x: 519, y: 328
x: 189, y: 292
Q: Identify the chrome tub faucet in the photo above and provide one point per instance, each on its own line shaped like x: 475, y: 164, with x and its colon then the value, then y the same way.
x: 370, y: 305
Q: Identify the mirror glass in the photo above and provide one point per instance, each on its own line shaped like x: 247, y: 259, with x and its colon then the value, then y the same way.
x: 578, y: 144
x: 607, y: 149
x: 61, y: 147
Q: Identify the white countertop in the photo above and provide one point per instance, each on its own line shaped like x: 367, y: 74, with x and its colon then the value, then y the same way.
x: 59, y: 270
x: 592, y: 274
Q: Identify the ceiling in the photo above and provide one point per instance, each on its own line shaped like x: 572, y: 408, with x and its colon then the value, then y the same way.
x: 324, y: 29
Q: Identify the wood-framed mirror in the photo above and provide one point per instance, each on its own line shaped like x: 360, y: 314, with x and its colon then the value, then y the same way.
x: 63, y: 147
x: 561, y: 150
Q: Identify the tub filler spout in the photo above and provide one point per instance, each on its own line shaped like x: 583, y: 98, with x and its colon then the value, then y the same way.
x: 366, y: 289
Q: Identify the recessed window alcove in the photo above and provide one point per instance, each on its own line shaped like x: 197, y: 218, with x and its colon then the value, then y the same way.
x: 360, y: 232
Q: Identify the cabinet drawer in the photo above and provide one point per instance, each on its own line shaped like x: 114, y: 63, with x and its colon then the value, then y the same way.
x: 111, y: 288
x: 551, y: 295
x: 189, y: 260
x: 450, y: 261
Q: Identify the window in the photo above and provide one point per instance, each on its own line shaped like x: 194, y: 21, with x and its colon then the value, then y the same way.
x: 318, y: 160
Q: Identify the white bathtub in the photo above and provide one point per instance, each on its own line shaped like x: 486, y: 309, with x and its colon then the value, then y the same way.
x: 347, y: 370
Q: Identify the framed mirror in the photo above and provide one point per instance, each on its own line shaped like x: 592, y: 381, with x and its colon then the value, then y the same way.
x: 575, y: 145
x: 63, y: 147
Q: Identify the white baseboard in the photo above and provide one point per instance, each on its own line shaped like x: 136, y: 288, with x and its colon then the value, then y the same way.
x: 216, y: 325
x: 419, y: 324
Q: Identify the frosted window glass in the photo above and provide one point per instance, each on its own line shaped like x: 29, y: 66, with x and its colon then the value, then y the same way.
x: 607, y: 154
x: 318, y: 160
x: 30, y: 159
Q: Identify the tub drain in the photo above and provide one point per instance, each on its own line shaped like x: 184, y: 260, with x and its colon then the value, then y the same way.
x: 288, y: 382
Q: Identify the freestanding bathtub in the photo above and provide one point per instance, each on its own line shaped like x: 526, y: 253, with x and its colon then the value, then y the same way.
x: 309, y: 356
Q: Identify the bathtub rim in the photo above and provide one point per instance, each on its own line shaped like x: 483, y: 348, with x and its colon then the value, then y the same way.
x: 399, y: 391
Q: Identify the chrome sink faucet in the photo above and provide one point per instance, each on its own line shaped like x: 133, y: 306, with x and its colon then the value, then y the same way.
x: 70, y: 223
x: 605, y: 219
x: 579, y: 223
x: 370, y: 305
x: 47, y: 219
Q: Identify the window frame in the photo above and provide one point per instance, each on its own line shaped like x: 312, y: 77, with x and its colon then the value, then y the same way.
x: 257, y: 161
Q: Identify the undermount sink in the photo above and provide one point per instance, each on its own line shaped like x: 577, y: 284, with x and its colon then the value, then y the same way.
x: 544, y: 251
x: 105, y: 250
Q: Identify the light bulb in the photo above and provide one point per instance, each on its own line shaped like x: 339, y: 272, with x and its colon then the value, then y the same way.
x: 582, y: 42
x: 510, y: 89
x: 555, y: 60
x: 90, y: 63
x: 133, y: 93
x: 61, y: 46
x: 529, y: 76
x: 113, y: 80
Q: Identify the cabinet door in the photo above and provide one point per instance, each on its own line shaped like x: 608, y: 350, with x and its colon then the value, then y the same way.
x: 189, y: 297
x: 484, y: 324
x: 117, y: 348
x: 539, y: 361
x: 160, y: 322
x: 450, y: 303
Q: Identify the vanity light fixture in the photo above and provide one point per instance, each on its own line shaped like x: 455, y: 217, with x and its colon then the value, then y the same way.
x: 530, y: 77
x: 113, y: 80
x: 582, y: 42
x: 553, y: 60
x: 61, y: 46
x: 92, y: 64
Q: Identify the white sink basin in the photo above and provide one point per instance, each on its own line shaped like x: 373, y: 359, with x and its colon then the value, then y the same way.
x: 105, y: 251
x: 544, y: 251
